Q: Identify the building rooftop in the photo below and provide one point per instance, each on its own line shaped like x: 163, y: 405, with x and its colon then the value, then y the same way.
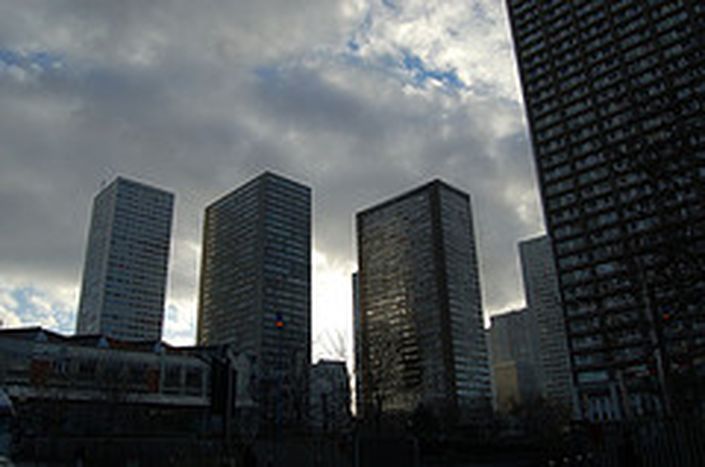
x: 410, y: 193
x: 39, y: 334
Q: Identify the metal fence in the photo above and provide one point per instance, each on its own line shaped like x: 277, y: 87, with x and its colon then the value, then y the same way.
x: 292, y: 451
x: 652, y: 443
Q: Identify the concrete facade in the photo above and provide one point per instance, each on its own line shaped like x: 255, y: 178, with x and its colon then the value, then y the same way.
x: 125, y: 270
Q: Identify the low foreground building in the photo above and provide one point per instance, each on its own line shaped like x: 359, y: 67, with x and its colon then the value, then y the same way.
x: 76, y: 393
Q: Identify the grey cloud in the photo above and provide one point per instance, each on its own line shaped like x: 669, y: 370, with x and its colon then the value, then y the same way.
x: 200, y: 117
x: 138, y: 33
x: 390, y: 144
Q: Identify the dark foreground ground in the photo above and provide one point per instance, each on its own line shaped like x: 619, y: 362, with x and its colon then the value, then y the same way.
x: 656, y: 445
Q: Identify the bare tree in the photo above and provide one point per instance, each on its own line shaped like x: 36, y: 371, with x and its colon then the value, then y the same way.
x: 333, y: 344
x: 667, y: 259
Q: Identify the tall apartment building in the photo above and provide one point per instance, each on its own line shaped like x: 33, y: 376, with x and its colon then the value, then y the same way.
x: 614, y: 95
x: 543, y: 299
x: 125, y: 270
x: 423, y: 340
x: 255, y: 290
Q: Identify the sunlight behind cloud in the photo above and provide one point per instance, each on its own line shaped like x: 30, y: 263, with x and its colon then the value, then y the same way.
x: 332, y: 306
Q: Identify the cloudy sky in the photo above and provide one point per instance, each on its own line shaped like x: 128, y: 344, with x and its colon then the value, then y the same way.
x: 360, y: 99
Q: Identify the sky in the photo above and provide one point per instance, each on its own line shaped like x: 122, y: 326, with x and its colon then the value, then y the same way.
x: 359, y: 99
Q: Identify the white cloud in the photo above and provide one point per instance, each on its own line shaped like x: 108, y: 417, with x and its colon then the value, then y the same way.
x: 25, y: 305
x: 179, y: 323
x: 9, y: 318
x: 468, y: 37
x: 8, y: 308
x: 7, y: 301
x: 40, y: 303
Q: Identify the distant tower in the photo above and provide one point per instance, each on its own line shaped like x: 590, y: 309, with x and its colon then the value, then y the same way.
x: 514, y: 359
x: 357, y: 346
x: 423, y: 340
x: 255, y: 290
x: 544, y: 306
x: 125, y: 270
